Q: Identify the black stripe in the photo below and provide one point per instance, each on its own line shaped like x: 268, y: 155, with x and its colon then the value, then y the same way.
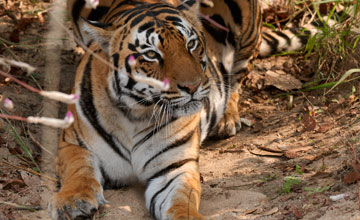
x: 150, y: 134
x: 81, y: 143
x: 132, y: 47
x: 175, y: 144
x: 235, y: 11
x: 204, y: 5
x: 153, y: 202
x: 139, y: 7
x: 218, y: 34
x: 227, y: 82
x: 75, y: 13
x: 163, y: 11
x: 150, y: 13
x: 189, y: 3
x: 272, y: 42
x: 207, y: 108
x: 173, y: 18
x: 98, y: 13
x: 98, y: 24
x: 170, y: 168
x: 131, y: 83
x: 145, y: 26
x: 130, y: 13
x: 167, y: 196
x: 107, y: 182
x: 213, y: 119
x: 140, y: 100
x: 304, y: 36
x: 148, y: 33
x: 318, y: 24
x: 230, y: 38
x: 281, y: 34
x: 256, y: 22
x: 116, y: 83
x: 90, y: 112
x: 215, y: 75
x: 226, y: 75
x: 118, y: 6
x: 137, y: 20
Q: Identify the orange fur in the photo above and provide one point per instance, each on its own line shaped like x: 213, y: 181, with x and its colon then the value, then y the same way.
x: 77, y: 177
x: 186, y: 202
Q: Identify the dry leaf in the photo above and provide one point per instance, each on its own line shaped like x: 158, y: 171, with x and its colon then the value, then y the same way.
x: 282, y: 80
x: 325, y: 127
x: 356, y: 166
x: 260, y: 152
x: 14, y: 185
x: 309, y: 122
x: 291, y: 154
x: 41, y: 18
x: 30, y: 179
x: 351, y: 177
x: 298, y: 212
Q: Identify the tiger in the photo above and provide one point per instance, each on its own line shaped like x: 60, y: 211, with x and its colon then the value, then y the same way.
x: 126, y: 128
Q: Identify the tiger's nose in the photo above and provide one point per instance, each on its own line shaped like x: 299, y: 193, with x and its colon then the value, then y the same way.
x: 191, y: 89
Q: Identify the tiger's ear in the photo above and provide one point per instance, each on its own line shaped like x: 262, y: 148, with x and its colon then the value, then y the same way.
x: 189, y: 5
x: 94, y: 31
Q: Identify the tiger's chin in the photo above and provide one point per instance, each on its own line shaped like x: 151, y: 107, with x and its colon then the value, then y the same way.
x: 187, y: 109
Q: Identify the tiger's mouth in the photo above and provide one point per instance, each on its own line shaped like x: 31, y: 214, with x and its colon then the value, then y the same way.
x: 189, y: 108
x: 187, y: 104
x: 183, y: 107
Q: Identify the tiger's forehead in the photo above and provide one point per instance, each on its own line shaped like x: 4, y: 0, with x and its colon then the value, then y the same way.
x: 155, y: 31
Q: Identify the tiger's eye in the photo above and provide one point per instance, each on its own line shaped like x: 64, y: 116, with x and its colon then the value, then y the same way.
x: 191, y: 44
x: 151, y: 54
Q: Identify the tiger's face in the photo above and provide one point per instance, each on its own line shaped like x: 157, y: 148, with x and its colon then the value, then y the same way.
x: 165, y: 46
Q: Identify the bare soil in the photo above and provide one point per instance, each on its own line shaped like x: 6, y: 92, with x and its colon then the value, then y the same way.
x: 286, y: 166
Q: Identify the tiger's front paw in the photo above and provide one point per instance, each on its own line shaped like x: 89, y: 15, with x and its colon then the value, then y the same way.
x: 183, y: 213
x: 230, y: 123
x: 76, y: 203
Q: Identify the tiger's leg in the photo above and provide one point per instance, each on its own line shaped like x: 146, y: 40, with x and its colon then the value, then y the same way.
x: 230, y: 123
x: 243, y: 21
x: 175, y: 195
x: 81, y: 192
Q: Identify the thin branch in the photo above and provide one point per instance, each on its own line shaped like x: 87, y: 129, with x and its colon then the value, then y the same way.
x: 55, y: 95
x: 38, y: 144
x: 22, y: 207
x: 30, y: 171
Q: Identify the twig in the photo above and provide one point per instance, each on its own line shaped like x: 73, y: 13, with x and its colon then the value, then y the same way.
x: 20, y: 82
x: 30, y: 171
x: 20, y: 64
x: 38, y: 144
x: 22, y: 207
x: 206, y: 17
x: 55, y: 95
x: 14, y: 117
x: 52, y: 122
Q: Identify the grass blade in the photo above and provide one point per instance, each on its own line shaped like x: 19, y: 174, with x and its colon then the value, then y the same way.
x: 343, y: 78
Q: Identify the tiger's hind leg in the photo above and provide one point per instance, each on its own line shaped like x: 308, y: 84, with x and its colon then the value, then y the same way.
x: 175, y: 195
x: 81, y: 193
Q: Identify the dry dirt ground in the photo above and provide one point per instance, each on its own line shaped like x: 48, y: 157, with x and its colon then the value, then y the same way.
x: 286, y: 166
